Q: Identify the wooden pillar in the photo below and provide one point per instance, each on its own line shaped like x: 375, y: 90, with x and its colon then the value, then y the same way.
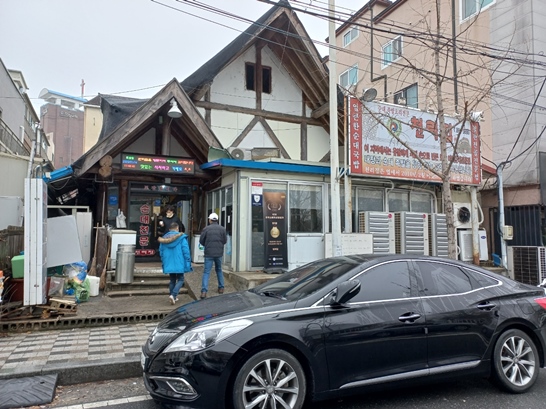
x: 124, y: 196
x: 102, y: 208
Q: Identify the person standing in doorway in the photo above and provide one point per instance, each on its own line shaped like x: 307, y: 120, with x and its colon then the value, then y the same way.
x: 213, y: 238
x: 168, y: 219
x: 175, y: 259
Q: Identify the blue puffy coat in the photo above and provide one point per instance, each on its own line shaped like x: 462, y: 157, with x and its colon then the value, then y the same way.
x: 175, y: 254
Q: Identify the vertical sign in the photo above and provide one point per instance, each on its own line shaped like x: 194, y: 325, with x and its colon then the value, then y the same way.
x: 144, y: 232
x: 276, y: 249
x: 355, y: 136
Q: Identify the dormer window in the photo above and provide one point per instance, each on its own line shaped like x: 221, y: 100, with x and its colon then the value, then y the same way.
x: 250, y: 78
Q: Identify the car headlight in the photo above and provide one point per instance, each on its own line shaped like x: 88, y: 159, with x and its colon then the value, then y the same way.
x: 207, y: 335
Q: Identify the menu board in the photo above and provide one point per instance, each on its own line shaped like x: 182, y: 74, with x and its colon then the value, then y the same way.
x: 157, y: 164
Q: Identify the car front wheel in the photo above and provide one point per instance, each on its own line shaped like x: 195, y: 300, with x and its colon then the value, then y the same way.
x: 272, y: 378
x: 515, y: 361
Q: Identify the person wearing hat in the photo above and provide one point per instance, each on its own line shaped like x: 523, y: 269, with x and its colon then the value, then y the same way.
x: 213, y: 238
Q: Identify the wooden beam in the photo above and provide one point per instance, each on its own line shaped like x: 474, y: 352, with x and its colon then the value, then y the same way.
x: 275, y: 116
x: 320, y: 111
x: 274, y: 138
x: 303, y: 130
x: 245, y: 132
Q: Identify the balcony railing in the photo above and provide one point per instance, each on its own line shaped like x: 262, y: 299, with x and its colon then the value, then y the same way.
x: 10, y: 143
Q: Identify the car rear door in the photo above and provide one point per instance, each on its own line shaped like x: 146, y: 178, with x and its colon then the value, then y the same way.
x: 461, y: 314
x: 379, y: 334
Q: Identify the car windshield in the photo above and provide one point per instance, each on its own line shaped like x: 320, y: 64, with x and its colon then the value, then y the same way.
x: 306, y: 280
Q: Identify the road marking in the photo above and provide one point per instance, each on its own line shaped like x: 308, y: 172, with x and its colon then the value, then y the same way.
x: 107, y: 402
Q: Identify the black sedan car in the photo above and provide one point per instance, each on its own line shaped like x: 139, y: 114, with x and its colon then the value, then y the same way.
x: 344, y: 324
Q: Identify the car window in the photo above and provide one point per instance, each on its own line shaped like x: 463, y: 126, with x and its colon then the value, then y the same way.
x: 384, y: 282
x: 482, y: 279
x: 308, y: 279
x: 442, y: 279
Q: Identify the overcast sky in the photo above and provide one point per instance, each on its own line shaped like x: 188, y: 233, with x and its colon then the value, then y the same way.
x: 126, y: 47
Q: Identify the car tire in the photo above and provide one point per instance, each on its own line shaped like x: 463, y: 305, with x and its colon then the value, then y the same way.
x: 515, y: 361
x: 268, y: 375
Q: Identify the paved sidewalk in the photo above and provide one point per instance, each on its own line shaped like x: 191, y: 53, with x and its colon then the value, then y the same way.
x: 91, y: 354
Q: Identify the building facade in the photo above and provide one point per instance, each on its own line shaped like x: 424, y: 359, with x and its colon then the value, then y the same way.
x: 489, y: 70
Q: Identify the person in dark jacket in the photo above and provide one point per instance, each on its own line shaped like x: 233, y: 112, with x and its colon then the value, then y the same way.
x: 175, y: 259
x: 168, y: 219
x: 213, y: 238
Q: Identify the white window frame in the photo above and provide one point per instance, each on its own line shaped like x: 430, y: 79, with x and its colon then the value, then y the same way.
x: 479, y: 8
x: 404, y: 94
x: 352, y: 34
x: 347, y: 72
x: 391, y: 44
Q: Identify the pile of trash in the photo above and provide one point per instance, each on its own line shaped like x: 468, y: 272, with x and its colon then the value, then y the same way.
x: 73, y: 282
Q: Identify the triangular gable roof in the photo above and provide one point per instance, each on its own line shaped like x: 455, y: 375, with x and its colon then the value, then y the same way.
x: 198, y: 136
x: 282, y: 31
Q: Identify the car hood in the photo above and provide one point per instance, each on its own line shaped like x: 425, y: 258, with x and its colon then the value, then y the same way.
x: 217, y: 308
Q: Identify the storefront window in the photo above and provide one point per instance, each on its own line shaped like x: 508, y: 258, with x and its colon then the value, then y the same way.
x: 410, y: 201
x: 399, y: 202
x: 370, y: 200
x: 421, y: 202
x: 305, y: 207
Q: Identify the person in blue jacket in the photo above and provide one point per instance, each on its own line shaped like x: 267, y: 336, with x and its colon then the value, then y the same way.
x: 175, y: 259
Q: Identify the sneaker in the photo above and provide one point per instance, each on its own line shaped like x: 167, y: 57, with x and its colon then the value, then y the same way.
x: 203, y: 295
x: 172, y: 300
x: 220, y: 291
x: 176, y: 299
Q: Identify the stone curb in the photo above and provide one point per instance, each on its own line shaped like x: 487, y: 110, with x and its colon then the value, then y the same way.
x: 84, y: 372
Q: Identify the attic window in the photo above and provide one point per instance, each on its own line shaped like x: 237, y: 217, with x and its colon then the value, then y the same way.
x: 250, y: 78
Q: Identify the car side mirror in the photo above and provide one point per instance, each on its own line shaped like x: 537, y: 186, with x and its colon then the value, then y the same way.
x: 346, y: 291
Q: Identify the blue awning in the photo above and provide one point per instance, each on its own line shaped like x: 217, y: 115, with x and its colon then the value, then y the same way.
x: 318, y: 169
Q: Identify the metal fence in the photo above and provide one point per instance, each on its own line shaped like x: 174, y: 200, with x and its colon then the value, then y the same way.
x: 9, y: 141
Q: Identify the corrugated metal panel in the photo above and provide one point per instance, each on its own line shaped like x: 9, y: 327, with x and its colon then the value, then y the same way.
x: 527, y: 223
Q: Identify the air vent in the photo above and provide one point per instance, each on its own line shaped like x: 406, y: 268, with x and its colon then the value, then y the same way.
x: 240, y: 153
x: 528, y: 264
x: 381, y: 225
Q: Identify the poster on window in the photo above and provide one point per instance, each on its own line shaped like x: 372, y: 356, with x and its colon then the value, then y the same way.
x: 276, y: 250
x: 380, y: 134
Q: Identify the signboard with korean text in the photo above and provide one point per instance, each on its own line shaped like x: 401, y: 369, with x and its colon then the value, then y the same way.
x: 374, y: 150
x: 275, y: 229
x: 157, y: 164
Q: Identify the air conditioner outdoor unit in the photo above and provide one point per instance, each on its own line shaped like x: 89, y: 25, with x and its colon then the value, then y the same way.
x: 240, y: 153
x: 527, y: 264
x: 462, y: 213
x: 381, y: 226
x: 411, y: 233
x: 464, y: 241
x: 437, y: 235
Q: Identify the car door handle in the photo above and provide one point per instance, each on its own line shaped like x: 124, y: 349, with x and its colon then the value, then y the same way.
x: 487, y: 306
x: 409, y: 317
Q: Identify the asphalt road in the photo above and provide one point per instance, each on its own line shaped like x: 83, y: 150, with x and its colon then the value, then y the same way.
x: 473, y: 393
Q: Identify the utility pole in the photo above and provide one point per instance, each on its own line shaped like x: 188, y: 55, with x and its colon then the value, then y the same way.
x: 334, y: 149
x: 504, y: 256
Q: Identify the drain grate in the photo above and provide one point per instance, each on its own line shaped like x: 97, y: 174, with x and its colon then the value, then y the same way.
x: 75, y: 322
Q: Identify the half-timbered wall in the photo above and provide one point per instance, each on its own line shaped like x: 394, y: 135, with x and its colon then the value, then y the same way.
x: 295, y: 139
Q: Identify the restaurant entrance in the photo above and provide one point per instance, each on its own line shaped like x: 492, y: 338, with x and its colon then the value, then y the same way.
x: 147, y: 204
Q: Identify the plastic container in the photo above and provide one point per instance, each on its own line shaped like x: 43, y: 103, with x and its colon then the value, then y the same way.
x: 125, y: 263
x: 93, y: 285
x: 18, y: 266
